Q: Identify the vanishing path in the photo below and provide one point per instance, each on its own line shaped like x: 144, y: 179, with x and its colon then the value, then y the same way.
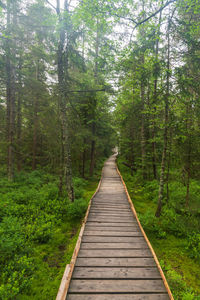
x: 114, y: 260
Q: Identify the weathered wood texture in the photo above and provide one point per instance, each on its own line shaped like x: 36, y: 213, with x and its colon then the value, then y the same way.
x: 114, y: 261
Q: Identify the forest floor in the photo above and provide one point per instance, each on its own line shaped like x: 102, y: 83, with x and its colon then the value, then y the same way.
x: 38, y: 232
x: 175, y: 236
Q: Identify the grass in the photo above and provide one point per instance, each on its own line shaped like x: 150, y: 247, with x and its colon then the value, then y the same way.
x: 171, y: 234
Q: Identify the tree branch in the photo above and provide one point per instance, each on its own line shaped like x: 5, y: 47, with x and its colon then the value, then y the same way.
x: 50, y: 5
x: 155, y: 13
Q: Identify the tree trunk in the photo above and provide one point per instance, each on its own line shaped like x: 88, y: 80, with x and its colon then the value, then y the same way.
x: 10, y: 95
x: 168, y: 164
x: 35, y: 122
x: 83, y: 158
x: 62, y: 58
x: 19, y: 117
x: 155, y: 98
x: 165, y: 137
x: 93, y: 142
x: 188, y: 160
x: 143, y: 138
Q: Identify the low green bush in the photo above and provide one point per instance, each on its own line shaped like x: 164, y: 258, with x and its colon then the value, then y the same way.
x: 35, y: 223
x: 193, y: 246
x: 77, y: 209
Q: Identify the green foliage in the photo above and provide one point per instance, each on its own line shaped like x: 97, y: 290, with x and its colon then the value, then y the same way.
x: 38, y: 231
x: 177, y: 284
x: 77, y: 209
x: 194, y: 245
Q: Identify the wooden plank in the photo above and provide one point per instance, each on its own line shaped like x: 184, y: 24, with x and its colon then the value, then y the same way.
x: 111, y: 213
x: 115, y: 205
x: 109, y: 233
x: 112, y: 209
x: 111, y: 219
x: 116, y: 262
x: 112, y: 239
x: 137, y: 245
x: 117, y: 286
x: 110, y: 224
x: 111, y: 202
x: 118, y: 297
x: 115, y: 253
x: 115, y: 273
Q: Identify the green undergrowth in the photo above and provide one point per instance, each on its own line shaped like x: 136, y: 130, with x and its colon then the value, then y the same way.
x: 38, y: 232
x: 175, y: 235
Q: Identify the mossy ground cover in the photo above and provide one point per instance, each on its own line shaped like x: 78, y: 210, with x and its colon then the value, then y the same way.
x: 38, y: 232
x: 175, y: 236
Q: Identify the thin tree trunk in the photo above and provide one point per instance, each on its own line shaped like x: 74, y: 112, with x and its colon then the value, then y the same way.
x: 92, y: 154
x: 165, y: 137
x: 93, y: 142
x: 143, y: 138
x: 168, y: 164
x: 83, y: 158
x: 35, y: 122
x: 155, y: 99
x: 62, y: 63
x: 19, y: 117
x: 188, y: 160
x: 10, y: 96
x: 61, y: 162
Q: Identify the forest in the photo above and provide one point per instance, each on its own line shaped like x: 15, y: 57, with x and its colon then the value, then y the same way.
x: 78, y: 78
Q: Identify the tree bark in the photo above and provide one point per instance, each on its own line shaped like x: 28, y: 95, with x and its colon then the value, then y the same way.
x: 143, y: 138
x: 155, y: 99
x: 188, y: 159
x: 165, y: 136
x: 93, y: 142
x: 19, y: 117
x: 62, y: 58
x: 10, y: 92
x: 35, y: 121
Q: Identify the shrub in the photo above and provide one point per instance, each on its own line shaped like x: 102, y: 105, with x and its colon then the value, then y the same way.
x: 152, y: 224
x: 77, y: 209
x: 194, y: 245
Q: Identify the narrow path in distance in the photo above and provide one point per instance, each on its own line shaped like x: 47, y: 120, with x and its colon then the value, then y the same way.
x: 114, y: 261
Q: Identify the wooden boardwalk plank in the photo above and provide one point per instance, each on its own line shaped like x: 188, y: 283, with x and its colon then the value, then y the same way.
x: 114, y: 224
x: 112, y: 239
x: 116, y: 262
x: 118, y: 297
x: 99, y: 231
x: 128, y: 245
x: 111, y: 219
x: 115, y: 273
x: 116, y: 286
x: 111, y: 213
x: 115, y: 253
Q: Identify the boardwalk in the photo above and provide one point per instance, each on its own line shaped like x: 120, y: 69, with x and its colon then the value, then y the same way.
x: 114, y: 260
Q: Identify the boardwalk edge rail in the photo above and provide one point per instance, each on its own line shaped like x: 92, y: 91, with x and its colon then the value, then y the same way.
x: 63, y: 289
x: 146, y: 238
